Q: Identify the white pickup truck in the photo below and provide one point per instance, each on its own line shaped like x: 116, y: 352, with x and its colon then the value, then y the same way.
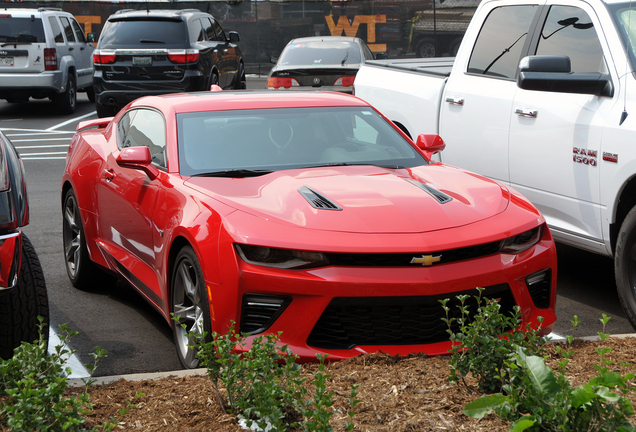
x: 542, y: 97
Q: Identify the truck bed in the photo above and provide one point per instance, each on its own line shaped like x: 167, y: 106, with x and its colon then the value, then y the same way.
x: 438, y: 66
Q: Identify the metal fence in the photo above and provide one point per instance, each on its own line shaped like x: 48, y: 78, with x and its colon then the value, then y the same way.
x: 400, y: 28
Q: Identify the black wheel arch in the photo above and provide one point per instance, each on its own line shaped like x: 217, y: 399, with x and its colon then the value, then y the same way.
x: 625, y: 202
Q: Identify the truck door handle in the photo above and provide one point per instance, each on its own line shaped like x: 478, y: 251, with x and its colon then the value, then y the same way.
x: 526, y: 112
x: 455, y: 100
x: 109, y: 175
x: 71, y: 48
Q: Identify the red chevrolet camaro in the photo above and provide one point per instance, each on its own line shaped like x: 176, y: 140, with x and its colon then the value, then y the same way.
x: 307, y: 213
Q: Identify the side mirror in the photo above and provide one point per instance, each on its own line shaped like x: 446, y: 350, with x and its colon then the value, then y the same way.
x: 553, y: 74
x: 430, y: 144
x: 91, y: 37
x: 273, y: 59
x: 381, y: 56
x: 138, y: 158
x: 234, y: 36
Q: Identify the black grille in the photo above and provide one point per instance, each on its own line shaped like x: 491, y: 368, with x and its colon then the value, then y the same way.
x: 259, y: 311
x: 539, y: 288
x: 401, y: 260
x: 351, y: 321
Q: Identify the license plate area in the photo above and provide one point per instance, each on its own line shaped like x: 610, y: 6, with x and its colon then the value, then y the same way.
x: 6, y: 61
x: 142, y: 61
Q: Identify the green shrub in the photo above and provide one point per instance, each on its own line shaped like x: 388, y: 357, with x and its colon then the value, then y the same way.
x: 33, y: 384
x: 485, y: 340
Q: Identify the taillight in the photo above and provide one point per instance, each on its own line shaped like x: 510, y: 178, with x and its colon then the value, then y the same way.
x: 183, y: 56
x: 277, y: 82
x: 345, y: 81
x: 104, y: 56
x: 50, y: 59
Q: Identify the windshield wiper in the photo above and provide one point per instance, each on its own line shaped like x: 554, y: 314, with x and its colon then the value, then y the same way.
x: 151, y: 41
x: 336, y: 164
x: 344, y: 60
x: 235, y: 173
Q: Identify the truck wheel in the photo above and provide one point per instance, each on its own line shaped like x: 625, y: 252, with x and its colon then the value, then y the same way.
x: 105, y: 110
x: 67, y: 100
x: 21, y: 306
x: 82, y: 272
x: 90, y: 92
x: 425, y: 48
x: 625, y: 266
x: 241, y: 82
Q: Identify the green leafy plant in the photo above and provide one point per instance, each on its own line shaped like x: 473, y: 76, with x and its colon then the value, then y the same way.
x: 263, y: 384
x: 485, y: 339
x: 536, y: 398
x: 34, y: 384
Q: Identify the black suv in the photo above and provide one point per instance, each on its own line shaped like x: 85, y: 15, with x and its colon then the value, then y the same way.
x: 152, y: 52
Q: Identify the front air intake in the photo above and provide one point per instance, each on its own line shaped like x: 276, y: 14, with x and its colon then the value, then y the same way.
x: 318, y: 201
x: 259, y: 311
x: 441, y: 197
x: 539, y: 288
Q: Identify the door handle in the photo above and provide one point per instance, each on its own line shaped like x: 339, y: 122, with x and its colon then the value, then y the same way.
x: 455, y: 100
x: 71, y: 48
x: 526, y: 112
x: 82, y: 48
x: 109, y: 175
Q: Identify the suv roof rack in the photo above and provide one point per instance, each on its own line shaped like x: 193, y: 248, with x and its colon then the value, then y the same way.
x: 42, y: 9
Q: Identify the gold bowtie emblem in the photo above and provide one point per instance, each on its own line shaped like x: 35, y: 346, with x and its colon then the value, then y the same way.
x: 426, y: 260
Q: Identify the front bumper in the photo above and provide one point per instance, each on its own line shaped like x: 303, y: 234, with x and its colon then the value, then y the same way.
x: 347, y: 311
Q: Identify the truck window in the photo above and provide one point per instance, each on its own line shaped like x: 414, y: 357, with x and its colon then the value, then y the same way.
x: 498, y: 47
x: 568, y: 30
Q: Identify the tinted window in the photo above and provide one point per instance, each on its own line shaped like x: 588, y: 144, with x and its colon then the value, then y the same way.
x: 209, y: 29
x: 55, y: 28
x: 143, y: 33
x: 68, y: 31
x: 218, y: 31
x: 144, y: 128
x: 287, y: 138
x: 498, y: 47
x: 569, y: 31
x: 326, y: 52
x: 21, y: 30
x: 196, y: 31
x: 79, y: 34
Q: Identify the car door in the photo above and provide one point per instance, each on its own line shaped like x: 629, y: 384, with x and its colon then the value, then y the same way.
x: 228, y: 55
x: 127, y: 197
x: 83, y: 55
x: 555, y: 138
x: 61, y: 45
x: 478, y: 95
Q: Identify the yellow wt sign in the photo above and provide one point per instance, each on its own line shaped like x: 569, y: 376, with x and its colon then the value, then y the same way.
x: 351, y: 29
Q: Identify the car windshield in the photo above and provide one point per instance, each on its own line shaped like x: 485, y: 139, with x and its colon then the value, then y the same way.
x: 624, y: 15
x: 255, y: 142
x: 324, y: 52
x: 143, y: 33
x: 21, y: 30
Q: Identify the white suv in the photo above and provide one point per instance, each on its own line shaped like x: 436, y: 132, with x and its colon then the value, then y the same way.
x: 44, y: 54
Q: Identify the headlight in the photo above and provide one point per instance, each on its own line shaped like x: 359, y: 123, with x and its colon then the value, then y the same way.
x: 280, y: 258
x: 521, y: 242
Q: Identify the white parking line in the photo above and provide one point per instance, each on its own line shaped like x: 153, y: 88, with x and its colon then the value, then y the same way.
x: 77, y: 368
x: 44, y: 146
x: 71, y: 121
x: 43, y: 158
x: 40, y: 139
x: 39, y: 133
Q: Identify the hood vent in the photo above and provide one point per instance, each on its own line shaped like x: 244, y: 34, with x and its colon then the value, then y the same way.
x: 441, y: 197
x: 318, y: 201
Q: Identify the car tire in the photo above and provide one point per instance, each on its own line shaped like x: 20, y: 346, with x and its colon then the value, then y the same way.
x: 105, y: 110
x: 82, y: 272
x: 625, y: 266
x: 241, y: 82
x: 189, y: 304
x: 425, y: 48
x: 67, y: 100
x: 90, y: 92
x: 214, y: 80
x: 21, y: 305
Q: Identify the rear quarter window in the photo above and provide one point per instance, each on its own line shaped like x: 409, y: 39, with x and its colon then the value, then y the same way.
x: 144, y: 33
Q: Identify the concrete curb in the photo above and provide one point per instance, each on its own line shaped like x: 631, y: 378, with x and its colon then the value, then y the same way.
x: 76, y: 382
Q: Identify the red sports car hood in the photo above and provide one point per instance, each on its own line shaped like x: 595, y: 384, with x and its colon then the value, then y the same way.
x: 371, y: 199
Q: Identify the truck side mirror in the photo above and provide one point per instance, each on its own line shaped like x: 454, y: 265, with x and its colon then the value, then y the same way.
x: 234, y: 36
x: 430, y: 144
x: 553, y: 74
x: 381, y: 56
x: 91, y: 37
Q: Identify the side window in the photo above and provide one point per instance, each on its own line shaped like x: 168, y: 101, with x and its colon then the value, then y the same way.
x: 209, y: 29
x: 568, y: 30
x: 143, y: 127
x: 68, y: 31
x: 196, y: 31
x: 220, y: 36
x: 498, y: 47
x: 79, y: 34
x: 55, y: 28
x: 368, y: 55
